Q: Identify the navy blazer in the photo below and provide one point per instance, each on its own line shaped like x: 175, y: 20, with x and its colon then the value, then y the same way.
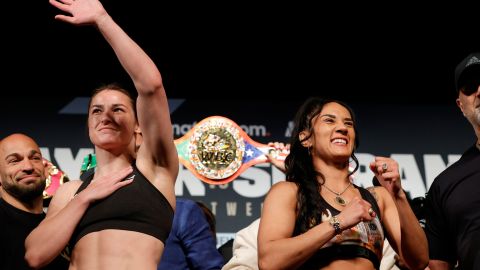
x: 191, y: 244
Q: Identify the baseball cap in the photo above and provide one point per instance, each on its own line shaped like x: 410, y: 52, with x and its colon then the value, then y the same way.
x: 467, y: 74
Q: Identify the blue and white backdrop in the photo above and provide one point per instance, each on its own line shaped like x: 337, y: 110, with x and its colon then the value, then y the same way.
x: 424, y: 139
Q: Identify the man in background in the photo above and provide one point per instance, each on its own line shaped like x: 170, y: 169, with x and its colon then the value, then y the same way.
x: 453, y: 201
x: 22, y: 178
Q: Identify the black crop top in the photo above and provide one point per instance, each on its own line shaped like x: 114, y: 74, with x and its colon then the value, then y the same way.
x: 138, y: 207
x: 363, y: 240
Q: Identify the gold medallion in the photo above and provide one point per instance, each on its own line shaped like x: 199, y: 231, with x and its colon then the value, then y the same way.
x: 341, y: 201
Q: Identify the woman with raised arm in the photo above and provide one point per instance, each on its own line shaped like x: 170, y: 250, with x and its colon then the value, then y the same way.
x: 318, y: 219
x: 112, y: 224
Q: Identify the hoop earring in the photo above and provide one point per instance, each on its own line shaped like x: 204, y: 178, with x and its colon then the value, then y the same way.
x: 309, y: 151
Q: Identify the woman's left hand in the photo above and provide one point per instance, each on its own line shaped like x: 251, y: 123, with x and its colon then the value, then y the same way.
x: 387, y: 173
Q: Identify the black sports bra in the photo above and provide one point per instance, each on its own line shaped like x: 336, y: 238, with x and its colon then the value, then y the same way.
x: 363, y: 240
x: 138, y: 206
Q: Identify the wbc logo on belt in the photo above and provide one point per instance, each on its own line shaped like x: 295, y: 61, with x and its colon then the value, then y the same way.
x: 217, y: 150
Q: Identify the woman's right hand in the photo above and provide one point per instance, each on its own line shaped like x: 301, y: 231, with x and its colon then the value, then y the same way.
x: 356, y: 211
x: 106, y: 185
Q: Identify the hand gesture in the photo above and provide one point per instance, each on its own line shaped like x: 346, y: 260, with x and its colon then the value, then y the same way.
x: 81, y: 11
x: 272, y: 154
x: 106, y: 185
x: 387, y: 173
x: 357, y: 210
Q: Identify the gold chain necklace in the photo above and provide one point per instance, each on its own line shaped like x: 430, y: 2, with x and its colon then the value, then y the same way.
x: 338, y: 195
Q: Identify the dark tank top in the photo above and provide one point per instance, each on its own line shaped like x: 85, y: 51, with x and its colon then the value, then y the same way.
x: 138, y: 206
x: 363, y: 240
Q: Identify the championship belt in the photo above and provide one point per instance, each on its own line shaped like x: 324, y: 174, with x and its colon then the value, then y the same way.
x: 216, y: 150
x: 56, y: 177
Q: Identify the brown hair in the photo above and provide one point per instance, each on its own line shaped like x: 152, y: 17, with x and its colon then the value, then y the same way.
x: 114, y: 87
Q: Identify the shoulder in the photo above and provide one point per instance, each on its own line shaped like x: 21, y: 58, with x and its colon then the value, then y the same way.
x: 184, y: 203
x: 379, y: 192
x: 188, y: 205
x: 187, y: 213
x: 467, y: 162
x: 282, y: 194
x: 381, y: 196
x: 284, y: 187
x: 185, y: 208
x: 374, y: 189
x: 69, y: 187
x: 63, y: 195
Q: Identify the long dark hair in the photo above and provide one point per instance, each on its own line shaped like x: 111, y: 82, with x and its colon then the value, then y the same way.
x: 299, y: 165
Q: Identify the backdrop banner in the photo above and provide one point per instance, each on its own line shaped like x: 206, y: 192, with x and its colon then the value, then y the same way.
x: 424, y: 139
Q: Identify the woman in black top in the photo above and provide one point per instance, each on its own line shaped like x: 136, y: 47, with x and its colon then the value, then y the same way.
x: 318, y: 219
x: 131, y: 234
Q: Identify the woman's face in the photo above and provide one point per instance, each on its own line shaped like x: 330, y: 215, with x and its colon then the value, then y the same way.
x: 333, y: 137
x: 111, y: 120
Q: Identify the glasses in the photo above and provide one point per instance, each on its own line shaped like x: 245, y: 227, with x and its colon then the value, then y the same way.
x: 470, y: 86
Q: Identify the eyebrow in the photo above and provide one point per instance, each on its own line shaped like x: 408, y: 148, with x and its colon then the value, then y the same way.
x: 96, y: 106
x: 11, y: 155
x: 32, y: 153
x: 113, y: 105
x: 334, y: 116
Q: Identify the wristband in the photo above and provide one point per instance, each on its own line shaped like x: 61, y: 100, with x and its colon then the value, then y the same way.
x: 335, y: 224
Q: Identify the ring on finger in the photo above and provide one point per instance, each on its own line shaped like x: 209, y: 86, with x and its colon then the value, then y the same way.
x: 384, y: 167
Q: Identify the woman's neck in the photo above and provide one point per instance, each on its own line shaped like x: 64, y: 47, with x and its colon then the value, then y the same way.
x: 108, y: 162
x: 335, y: 174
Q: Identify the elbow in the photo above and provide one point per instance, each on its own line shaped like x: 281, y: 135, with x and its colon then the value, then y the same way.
x: 151, y: 86
x: 423, y: 263
x: 421, y: 259
x: 34, y: 260
x: 263, y: 261
x: 270, y: 258
x: 266, y: 264
x: 419, y: 264
x: 263, y: 265
x: 156, y: 86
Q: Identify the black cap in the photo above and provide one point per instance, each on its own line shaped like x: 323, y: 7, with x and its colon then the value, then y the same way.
x: 467, y: 70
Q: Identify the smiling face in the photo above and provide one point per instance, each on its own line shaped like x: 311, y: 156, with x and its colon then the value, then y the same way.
x: 333, y: 137
x: 111, y: 120
x: 22, y: 172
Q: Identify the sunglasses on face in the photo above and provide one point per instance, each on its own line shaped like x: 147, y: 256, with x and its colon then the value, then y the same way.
x: 470, y: 86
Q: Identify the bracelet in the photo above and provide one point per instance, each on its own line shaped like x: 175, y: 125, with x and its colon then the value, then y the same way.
x: 336, y: 224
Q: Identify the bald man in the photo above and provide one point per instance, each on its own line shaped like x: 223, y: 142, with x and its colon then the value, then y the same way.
x: 22, y: 179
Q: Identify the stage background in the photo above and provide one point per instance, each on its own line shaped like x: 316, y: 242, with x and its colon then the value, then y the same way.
x: 393, y: 63
x: 424, y: 139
